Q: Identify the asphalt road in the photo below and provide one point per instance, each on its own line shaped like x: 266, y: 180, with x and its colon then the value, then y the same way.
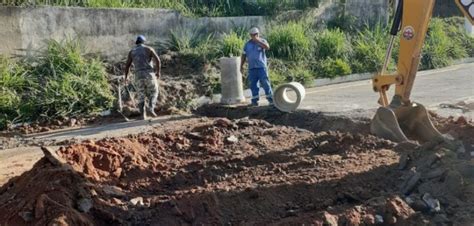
x: 449, y: 91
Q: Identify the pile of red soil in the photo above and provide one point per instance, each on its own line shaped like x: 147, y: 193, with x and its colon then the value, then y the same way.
x: 230, y: 172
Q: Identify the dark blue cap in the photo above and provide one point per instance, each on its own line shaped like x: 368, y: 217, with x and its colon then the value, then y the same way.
x: 141, y: 39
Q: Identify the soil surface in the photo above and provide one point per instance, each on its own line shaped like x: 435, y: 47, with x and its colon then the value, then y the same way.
x: 246, y: 172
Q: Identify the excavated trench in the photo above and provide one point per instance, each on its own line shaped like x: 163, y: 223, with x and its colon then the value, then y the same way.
x: 303, y: 119
x: 268, y: 169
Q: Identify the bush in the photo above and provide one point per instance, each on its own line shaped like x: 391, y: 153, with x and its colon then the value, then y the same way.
x: 331, y: 44
x: 181, y: 40
x: 302, y: 75
x: 62, y: 82
x: 289, y: 42
x: 346, y: 23
x: 193, y: 43
x: 369, y: 47
x: 187, y: 7
x: 287, y: 71
x: 232, y: 45
x: 440, y: 49
x: 277, y: 78
x: 455, y: 30
x: 16, y: 86
x: 331, y: 68
x: 71, y: 84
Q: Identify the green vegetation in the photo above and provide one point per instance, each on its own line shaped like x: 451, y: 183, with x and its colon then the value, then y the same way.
x: 331, y: 44
x: 15, y: 81
x: 301, y: 53
x: 211, y: 8
x: 331, y: 68
x: 455, y: 30
x: 369, y: 46
x: 289, y: 41
x: 440, y: 49
x: 232, y: 44
x: 61, y: 83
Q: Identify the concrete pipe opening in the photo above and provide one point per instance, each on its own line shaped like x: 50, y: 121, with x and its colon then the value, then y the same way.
x: 288, y: 97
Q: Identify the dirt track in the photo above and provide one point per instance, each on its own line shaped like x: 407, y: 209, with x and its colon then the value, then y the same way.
x: 205, y: 171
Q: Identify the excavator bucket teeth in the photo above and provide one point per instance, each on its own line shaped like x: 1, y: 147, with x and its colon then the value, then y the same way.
x: 406, y: 121
x: 385, y: 125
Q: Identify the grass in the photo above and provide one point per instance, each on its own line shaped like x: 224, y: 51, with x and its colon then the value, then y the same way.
x: 232, y: 44
x: 441, y: 49
x: 301, y: 53
x: 369, y: 47
x: 60, y: 83
x: 211, y: 8
x: 15, y: 82
x: 331, y: 68
x: 289, y: 41
x: 332, y: 43
x: 455, y: 30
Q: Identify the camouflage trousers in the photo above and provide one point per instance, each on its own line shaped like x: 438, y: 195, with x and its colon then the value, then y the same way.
x: 147, y: 88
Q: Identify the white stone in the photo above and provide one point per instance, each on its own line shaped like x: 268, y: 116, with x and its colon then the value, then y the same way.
x: 137, y: 201
x: 232, y: 139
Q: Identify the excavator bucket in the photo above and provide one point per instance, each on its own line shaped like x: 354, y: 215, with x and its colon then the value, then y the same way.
x: 404, y: 122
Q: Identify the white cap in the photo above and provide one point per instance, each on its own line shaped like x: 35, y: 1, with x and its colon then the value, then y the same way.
x: 254, y: 30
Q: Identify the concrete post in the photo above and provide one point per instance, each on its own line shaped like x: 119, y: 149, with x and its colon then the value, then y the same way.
x: 231, y: 81
x: 469, y: 27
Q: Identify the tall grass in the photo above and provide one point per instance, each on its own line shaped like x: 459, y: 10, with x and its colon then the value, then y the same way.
x: 331, y: 68
x: 289, y: 41
x: 332, y: 43
x: 188, y: 7
x: 232, y: 44
x: 71, y: 83
x: 194, y: 43
x: 15, y: 81
x: 369, y: 47
x: 455, y: 30
x: 60, y: 83
x: 440, y: 49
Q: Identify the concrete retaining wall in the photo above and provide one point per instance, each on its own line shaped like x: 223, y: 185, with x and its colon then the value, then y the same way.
x: 109, y: 32
x: 368, y: 11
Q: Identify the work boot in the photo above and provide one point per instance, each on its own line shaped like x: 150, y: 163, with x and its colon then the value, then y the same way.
x: 144, y: 117
x: 152, y: 113
x: 270, y: 101
x: 141, y: 108
x: 253, y: 105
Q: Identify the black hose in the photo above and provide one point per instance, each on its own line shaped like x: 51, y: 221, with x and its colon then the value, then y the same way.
x: 398, y: 19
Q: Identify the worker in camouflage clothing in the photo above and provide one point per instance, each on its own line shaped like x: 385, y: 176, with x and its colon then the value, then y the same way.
x: 146, y: 77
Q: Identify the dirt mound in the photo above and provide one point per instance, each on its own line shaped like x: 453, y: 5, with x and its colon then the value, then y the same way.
x: 46, y: 195
x: 242, y: 172
x: 459, y: 128
x: 334, y: 142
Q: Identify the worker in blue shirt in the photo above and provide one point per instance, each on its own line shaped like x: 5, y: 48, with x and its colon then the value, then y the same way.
x: 254, y: 53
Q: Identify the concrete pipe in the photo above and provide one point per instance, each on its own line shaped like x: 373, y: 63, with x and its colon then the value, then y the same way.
x: 231, y: 81
x: 283, y: 102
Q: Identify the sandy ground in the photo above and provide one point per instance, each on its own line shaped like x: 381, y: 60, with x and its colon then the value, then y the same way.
x: 14, y: 162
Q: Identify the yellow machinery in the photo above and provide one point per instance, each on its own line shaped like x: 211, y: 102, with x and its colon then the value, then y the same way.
x: 402, y: 118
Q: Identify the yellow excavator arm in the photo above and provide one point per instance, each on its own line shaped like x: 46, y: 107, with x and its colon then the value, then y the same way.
x: 402, y: 118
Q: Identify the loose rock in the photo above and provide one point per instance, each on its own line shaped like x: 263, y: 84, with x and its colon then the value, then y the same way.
x: 84, y: 205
